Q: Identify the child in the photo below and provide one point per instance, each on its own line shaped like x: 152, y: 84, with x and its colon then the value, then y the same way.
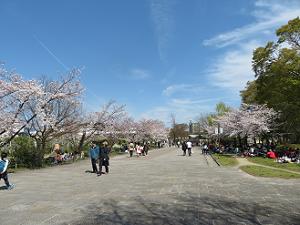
x: 3, y: 170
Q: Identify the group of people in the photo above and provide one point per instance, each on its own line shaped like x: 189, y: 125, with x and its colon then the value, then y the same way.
x: 99, y: 154
x: 187, y: 146
x: 61, y: 156
x: 139, y: 149
x: 289, y: 156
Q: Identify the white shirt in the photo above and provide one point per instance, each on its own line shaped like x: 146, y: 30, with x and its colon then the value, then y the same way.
x: 189, y: 144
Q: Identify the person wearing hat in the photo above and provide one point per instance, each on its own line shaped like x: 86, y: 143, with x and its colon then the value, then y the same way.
x: 104, y: 158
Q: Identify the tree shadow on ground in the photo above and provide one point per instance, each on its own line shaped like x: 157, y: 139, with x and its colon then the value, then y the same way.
x: 186, y: 210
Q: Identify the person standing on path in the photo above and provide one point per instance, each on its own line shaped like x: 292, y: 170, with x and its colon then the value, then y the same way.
x: 3, y: 170
x: 104, y: 158
x: 205, y: 149
x: 184, y: 147
x: 138, y: 149
x: 189, y: 147
x: 94, y: 155
x: 131, y: 149
x: 146, y: 148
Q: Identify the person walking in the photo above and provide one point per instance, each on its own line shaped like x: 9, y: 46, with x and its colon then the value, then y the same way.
x: 184, y: 147
x: 104, y: 158
x: 146, y: 148
x: 94, y: 155
x: 131, y: 149
x: 3, y: 170
x: 189, y: 147
x: 205, y: 149
x: 138, y: 149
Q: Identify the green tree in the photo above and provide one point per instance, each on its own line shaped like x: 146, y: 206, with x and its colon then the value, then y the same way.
x: 179, y: 132
x: 222, y: 108
x: 25, y: 153
x: 277, y: 72
x: 249, y: 94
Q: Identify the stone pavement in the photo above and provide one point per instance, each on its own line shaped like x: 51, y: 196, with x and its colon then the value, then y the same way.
x: 162, y: 188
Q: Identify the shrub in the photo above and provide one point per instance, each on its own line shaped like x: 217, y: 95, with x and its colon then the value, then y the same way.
x: 25, y: 153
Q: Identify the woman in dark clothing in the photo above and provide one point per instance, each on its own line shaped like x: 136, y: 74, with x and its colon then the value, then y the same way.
x: 104, y: 158
x: 184, y: 148
x: 146, y: 148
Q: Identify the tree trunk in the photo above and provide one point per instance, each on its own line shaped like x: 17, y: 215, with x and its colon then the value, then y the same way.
x: 40, y: 152
x: 245, y: 141
x: 240, y: 141
x: 81, y: 143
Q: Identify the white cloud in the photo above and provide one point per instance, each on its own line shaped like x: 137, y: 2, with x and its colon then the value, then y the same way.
x: 139, y: 74
x: 170, y: 90
x: 161, y: 14
x: 268, y: 15
x: 190, y: 102
x: 233, y: 68
x: 185, y: 89
x: 229, y: 71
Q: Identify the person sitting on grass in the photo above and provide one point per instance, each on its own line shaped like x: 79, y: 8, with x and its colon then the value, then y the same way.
x: 271, y: 154
x: 3, y: 170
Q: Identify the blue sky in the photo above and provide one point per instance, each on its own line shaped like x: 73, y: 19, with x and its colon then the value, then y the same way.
x: 156, y: 56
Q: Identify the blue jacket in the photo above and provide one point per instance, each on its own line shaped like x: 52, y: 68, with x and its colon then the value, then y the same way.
x: 3, y: 165
x: 94, y: 152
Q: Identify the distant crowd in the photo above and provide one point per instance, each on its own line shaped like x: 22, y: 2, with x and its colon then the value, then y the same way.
x: 272, y: 151
x: 139, y: 149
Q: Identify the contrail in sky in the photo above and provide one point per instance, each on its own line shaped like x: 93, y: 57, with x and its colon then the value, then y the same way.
x: 51, y: 53
x: 66, y: 68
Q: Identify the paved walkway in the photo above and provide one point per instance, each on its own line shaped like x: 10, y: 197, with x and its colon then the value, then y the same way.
x: 162, y: 188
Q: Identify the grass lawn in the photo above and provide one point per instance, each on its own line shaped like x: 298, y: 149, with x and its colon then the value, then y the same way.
x: 270, y: 162
x: 260, y: 171
x: 225, y: 160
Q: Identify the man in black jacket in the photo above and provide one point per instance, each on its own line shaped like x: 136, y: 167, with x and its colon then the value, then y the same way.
x: 184, y: 148
x: 104, y: 158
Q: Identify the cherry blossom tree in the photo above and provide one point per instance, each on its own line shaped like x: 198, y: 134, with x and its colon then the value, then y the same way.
x: 249, y: 121
x: 149, y: 129
x: 103, y: 123
x: 48, y: 110
x: 30, y: 104
x: 15, y: 95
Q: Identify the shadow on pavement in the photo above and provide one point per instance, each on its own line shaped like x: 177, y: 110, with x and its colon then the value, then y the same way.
x: 186, y: 211
x: 3, y: 188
